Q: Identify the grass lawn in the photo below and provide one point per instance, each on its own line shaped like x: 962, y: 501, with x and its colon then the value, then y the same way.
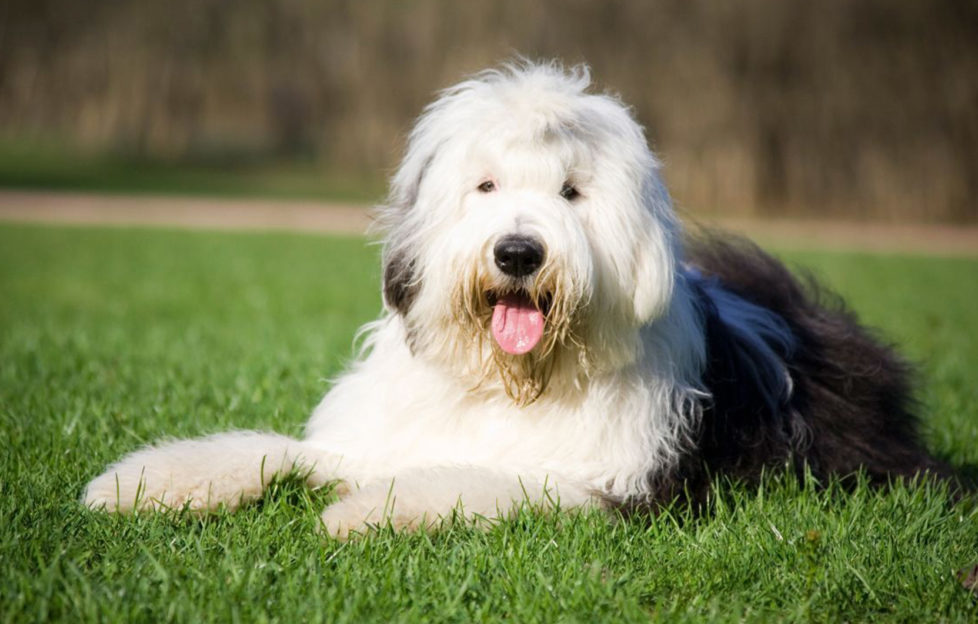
x: 112, y: 338
x: 56, y: 167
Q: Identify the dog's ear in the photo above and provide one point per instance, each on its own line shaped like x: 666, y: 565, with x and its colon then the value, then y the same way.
x: 400, y: 283
x: 655, y: 257
x: 399, y: 262
x: 654, y: 280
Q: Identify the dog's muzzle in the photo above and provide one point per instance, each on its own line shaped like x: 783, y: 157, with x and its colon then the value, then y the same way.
x: 518, y: 319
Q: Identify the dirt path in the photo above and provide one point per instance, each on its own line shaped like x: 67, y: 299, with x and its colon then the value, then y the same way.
x: 260, y: 214
x: 191, y: 212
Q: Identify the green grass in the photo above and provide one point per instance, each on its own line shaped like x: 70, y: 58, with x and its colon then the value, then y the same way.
x: 43, y: 167
x: 111, y: 338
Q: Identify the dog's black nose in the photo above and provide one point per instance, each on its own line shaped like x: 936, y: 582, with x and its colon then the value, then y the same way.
x: 518, y: 255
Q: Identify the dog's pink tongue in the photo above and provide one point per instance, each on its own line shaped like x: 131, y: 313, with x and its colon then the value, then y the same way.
x: 517, y: 325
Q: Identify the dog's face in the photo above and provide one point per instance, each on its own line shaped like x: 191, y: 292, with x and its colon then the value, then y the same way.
x: 528, y: 233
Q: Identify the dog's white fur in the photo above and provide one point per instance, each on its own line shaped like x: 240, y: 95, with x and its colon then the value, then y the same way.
x: 434, y: 418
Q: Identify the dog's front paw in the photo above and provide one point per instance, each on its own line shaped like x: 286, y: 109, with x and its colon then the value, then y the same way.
x: 200, y: 475
x: 103, y: 495
x: 205, y: 474
x: 128, y: 486
x: 122, y: 489
x: 374, y: 508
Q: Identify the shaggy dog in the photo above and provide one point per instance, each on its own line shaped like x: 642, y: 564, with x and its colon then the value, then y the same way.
x: 550, y: 339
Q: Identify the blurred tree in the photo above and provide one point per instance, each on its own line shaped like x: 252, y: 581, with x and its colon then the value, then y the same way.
x: 863, y: 109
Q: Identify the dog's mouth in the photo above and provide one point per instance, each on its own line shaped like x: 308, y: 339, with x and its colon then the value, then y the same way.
x: 518, y: 320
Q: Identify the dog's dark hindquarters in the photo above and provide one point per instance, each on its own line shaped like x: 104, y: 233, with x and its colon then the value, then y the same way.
x: 851, y: 404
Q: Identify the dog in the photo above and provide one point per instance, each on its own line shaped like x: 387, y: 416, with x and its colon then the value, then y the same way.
x: 551, y: 338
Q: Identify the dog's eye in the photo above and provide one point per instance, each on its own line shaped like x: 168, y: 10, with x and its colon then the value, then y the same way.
x: 487, y: 187
x: 568, y: 192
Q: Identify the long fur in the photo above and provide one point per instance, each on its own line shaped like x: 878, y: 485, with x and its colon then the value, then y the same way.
x: 659, y: 367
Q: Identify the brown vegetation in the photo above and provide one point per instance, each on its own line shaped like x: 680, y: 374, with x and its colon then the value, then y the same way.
x: 763, y: 107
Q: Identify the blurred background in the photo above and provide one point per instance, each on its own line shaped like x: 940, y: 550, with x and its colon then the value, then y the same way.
x: 761, y: 108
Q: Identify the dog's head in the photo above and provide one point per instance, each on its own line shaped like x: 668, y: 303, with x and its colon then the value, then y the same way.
x: 528, y: 234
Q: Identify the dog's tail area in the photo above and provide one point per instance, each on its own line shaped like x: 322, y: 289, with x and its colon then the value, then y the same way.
x: 851, y: 391
x: 221, y: 470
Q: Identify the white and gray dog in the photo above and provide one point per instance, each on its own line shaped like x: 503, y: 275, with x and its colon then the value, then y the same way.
x: 550, y: 338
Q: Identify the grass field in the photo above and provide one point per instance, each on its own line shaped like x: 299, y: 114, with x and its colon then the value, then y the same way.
x: 61, y: 168
x: 112, y: 338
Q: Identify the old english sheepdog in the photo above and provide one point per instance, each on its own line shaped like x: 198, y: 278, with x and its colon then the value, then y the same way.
x: 550, y: 338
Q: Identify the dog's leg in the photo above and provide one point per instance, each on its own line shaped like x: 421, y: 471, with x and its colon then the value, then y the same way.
x: 223, y: 469
x: 419, y: 499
